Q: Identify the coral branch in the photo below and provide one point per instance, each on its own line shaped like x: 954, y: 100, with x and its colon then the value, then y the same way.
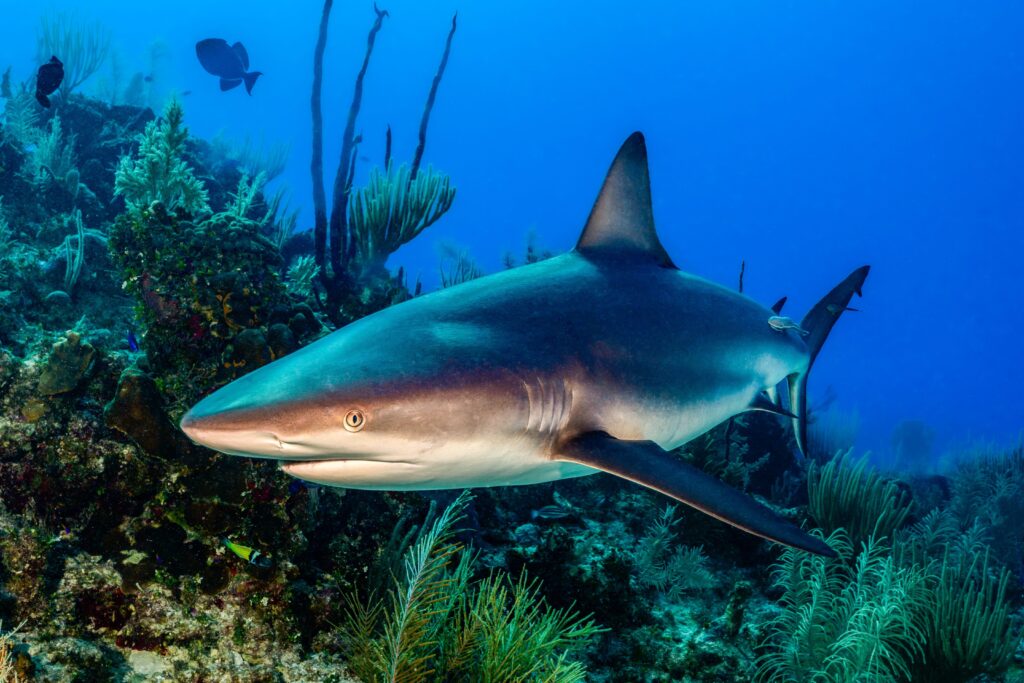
x: 340, y: 242
x: 316, y: 166
x: 418, y: 157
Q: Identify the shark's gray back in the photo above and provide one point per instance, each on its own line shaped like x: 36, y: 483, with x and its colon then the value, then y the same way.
x: 673, y: 349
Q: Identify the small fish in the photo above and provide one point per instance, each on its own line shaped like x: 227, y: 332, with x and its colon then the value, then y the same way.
x: 250, y: 555
x: 550, y: 512
x: 229, y: 62
x: 782, y: 323
x: 148, y: 79
x: 299, y: 485
x: 133, y: 342
x: 48, y: 79
x: 186, y: 93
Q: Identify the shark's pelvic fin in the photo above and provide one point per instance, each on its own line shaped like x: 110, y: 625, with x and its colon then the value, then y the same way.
x: 622, y: 220
x: 647, y: 464
x: 818, y: 323
x: 777, y: 306
x: 768, y: 402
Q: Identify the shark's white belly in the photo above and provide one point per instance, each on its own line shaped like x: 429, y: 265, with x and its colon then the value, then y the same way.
x: 453, y: 466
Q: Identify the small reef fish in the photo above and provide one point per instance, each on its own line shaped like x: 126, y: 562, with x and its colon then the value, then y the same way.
x: 550, y: 512
x: 48, y: 79
x: 229, y: 62
x: 782, y: 323
x: 250, y: 555
x: 132, y: 341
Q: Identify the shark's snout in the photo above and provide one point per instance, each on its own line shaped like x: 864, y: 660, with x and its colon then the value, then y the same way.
x: 228, y: 428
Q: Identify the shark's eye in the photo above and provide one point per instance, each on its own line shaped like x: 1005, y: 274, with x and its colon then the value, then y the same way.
x: 354, y: 420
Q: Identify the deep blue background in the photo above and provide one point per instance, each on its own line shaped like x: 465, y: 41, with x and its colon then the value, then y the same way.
x: 807, y: 138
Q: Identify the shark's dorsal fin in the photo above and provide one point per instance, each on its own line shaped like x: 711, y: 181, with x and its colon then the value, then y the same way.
x: 622, y: 220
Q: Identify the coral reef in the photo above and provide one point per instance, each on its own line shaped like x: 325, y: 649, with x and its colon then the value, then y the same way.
x: 351, y: 247
x: 141, y: 267
x: 435, y: 624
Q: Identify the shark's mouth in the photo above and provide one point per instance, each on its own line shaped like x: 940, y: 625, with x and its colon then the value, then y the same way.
x: 361, y: 474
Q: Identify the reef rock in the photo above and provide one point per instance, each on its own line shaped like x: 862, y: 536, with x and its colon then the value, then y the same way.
x: 69, y: 362
x: 137, y: 411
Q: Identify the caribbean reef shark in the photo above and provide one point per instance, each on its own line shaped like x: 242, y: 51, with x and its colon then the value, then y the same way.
x: 602, y: 359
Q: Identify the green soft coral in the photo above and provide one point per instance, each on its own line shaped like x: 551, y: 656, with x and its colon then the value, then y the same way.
x: 159, y: 171
x: 395, y: 207
x: 846, y: 494
x: 857, y: 617
x: 436, y: 624
x: 923, y: 603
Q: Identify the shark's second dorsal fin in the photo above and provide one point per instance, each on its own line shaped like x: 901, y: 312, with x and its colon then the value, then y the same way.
x: 622, y: 220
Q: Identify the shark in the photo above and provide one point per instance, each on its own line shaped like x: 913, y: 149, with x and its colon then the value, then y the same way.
x: 603, y: 359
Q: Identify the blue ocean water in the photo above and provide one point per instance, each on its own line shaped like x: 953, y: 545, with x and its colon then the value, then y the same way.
x: 802, y: 138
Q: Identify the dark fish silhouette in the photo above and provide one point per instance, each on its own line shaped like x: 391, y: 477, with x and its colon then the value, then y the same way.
x: 133, y: 342
x: 229, y: 62
x: 48, y: 79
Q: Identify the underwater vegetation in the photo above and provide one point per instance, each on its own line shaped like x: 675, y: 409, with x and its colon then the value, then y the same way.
x: 436, y: 623
x: 142, y: 267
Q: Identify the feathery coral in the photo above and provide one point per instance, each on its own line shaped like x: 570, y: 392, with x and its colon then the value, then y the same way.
x: 855, y: 498
x: 852, y: 618
x: 159, y: 172
x: 435, y: 625
x: 393, y: 208
x: 667, y: 569
x: 82, y: 46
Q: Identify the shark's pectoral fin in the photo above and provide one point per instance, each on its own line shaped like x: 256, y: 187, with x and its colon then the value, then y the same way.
x: 647, y: 464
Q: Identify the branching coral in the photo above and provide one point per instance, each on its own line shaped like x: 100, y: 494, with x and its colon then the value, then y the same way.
x: 279, y: 219
x: 853, y: 618
x: 668, y: 569
x: 301, y: 276
x: 74, y: 254
x: 21, y: 120
x: 457, y: 266
x: 8, y: 665
x: 338, y: 244
x: 723, y: 454
x: 159, y: 171
x: 393, y: 208
x: 54, y: 157
x: 855, y: 498
x: 80, y: 45
x: 244, y: 197
x: 990, y: 487
x: 967, y: 627
x: 436, y: 625
x: 932, y: 608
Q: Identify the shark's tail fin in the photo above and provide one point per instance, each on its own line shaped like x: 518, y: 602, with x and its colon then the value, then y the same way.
x: 818, y: 323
